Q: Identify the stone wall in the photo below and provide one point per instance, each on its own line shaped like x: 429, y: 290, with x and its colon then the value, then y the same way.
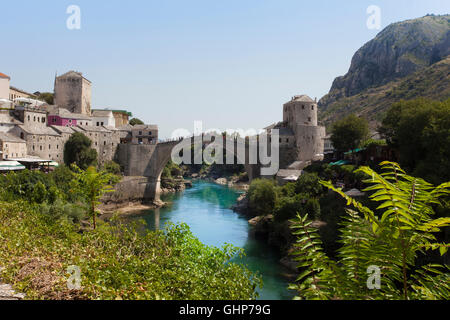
x: 132, y: 189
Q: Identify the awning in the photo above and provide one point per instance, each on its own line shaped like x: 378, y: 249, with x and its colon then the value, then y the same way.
x: 339, y: 163
x: 11, y: 166
x: 355, y: 151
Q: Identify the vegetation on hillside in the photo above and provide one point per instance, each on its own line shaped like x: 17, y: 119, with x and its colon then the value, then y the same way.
x: 44, y: 231
x: 419, y: 131
x: 349, y: 133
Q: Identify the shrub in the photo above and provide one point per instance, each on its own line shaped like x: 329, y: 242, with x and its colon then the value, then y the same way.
x: 309, y: 183
x: 262, y: 196
x: 116, y: 261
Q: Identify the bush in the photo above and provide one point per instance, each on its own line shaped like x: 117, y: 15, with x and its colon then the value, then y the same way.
x: 262, y: 196
x: 116, y: 261
x: 112, y: 167
x: 287, y: 208
x: 309, y: 183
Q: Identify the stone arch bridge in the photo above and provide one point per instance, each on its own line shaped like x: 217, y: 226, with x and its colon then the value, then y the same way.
x: 143, y: 166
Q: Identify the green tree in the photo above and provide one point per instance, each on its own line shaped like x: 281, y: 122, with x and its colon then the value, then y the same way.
x: 47, y: 97
x: 388, y: 239
x: 309, y: 183
x: 135, y: 121
x: 92, y: 185
x: 419, y: 131
x: 262, y: 196
x: 78, y: 150
x: 349, y: 133
x: 112, y: 167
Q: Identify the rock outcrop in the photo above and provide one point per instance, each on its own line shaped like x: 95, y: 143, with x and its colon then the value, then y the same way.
x: 398, y: 51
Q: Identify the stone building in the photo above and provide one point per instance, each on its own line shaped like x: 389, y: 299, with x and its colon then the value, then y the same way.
x: 11, y: 146
x: 63, y: 117
x: 43, y: 142
x: 103, y: 118
x: 144, y: 134
x: 4, y: 86
x: 73, y: 92
x: 15, y: 93
x: 300, y: 115
x: 104, y: 141
x: 121, y: 117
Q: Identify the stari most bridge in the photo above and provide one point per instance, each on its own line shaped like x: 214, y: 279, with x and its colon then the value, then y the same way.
x: 143, y: 166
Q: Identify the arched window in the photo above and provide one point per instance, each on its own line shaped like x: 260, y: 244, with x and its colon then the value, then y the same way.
x: 21, y: 135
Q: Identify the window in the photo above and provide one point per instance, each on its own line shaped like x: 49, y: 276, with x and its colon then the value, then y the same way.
x: 104, y: 143
x: 34, y: 118
x: 309, y: 119
x: 303, y: 107
x: 43, y: 119
x: 28, y: 117
x: 149, y: 133
x: 49, y: 147
x: 140, y: 133
x: 98, y: 124
x: 312, y: 107
x: 102, y: 123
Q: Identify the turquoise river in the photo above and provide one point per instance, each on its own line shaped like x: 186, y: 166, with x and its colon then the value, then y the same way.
x: 206, y: 209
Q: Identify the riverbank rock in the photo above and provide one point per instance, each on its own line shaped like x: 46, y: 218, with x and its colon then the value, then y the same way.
x: 261, y: 224
x: 221, y: 181
x: 242, y: 205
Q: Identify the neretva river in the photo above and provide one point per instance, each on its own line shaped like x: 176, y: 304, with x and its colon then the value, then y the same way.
x: 206, y: 209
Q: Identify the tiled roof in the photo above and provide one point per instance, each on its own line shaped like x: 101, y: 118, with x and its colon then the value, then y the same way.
x: 7, y: 137
x: 39, y: 130
x: 64, y: 113
x: 302, y: 98
x: 72, y: 74
x: 145, y: 127
x: 2, y: 75
x: 102, y: 113
x: 63, y: 129
x: 92, y: 129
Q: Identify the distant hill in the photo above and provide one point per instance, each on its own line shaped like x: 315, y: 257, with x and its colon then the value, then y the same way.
x: 406, y: 60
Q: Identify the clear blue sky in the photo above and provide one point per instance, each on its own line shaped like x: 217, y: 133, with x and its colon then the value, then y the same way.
x: 231, y: 64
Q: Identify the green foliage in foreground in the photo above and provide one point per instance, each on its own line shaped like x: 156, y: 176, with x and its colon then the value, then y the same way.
x: 391, y: 238
x: 116, y: 261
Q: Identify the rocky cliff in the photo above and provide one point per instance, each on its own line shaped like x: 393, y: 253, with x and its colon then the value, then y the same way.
x: 400, y: 50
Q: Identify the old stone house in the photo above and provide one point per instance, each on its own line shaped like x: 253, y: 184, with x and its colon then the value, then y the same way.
x: 11, y: 146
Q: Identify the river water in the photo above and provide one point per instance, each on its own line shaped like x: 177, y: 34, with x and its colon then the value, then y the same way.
x: 205, y: 208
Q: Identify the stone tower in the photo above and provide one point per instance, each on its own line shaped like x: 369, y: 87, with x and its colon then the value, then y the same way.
x: 73, y: 92
x: 300, y: 114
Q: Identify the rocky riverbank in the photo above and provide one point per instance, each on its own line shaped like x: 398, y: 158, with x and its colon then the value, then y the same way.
x: 275, y: 233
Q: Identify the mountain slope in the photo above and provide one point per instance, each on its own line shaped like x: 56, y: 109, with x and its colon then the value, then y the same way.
x: 400, y: 50
x: 432, y: 82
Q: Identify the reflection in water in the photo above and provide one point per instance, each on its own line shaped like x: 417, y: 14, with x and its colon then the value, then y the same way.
x: 205, y: 208
x: 156, y: 212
